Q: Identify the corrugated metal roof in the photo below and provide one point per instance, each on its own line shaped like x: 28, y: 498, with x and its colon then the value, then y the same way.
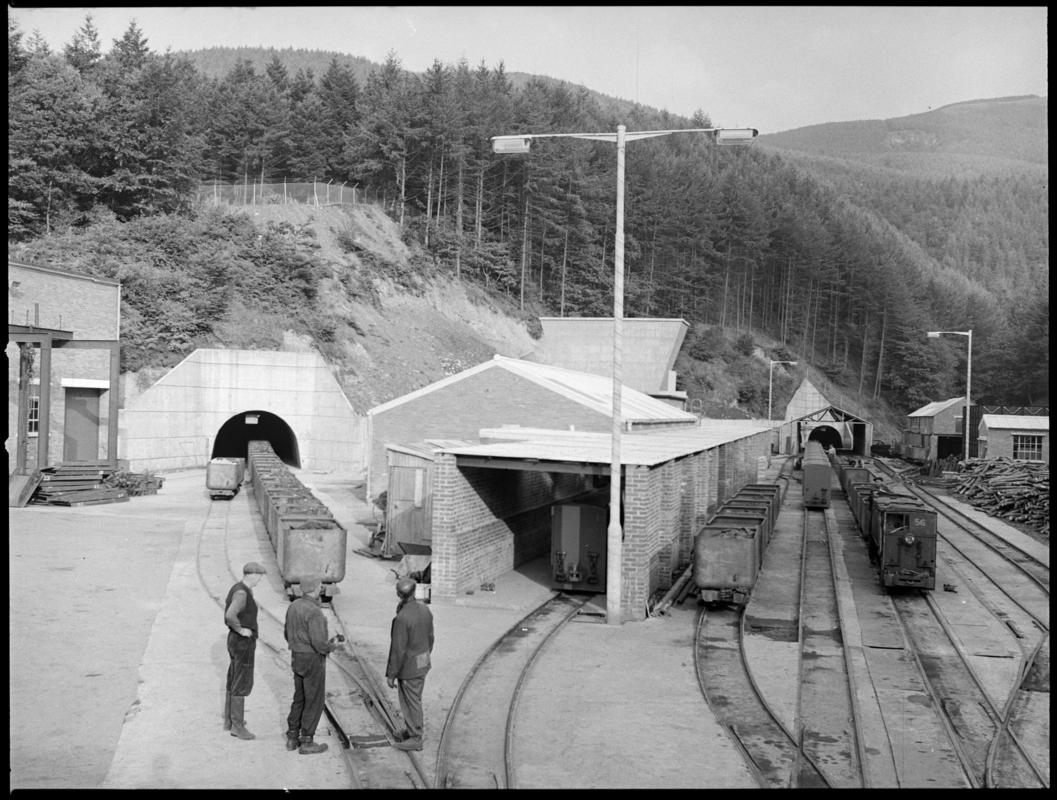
x: 593, y: 391
x: 596, y: 391
x: 637, y: 448
x: 425, y: 449
x: 1006, y: 421
x: 932, y: 409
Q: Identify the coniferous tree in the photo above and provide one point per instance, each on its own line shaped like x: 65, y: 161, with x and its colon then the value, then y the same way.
x: 51, y: 112
x: 84, y: 51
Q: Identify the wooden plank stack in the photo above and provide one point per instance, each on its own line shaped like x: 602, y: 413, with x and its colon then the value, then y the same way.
x: 1015, y: 490
x: 78, y: 484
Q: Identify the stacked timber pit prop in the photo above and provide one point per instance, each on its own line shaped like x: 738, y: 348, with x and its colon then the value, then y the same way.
x: 1018, y: 491
x: 88, y: 483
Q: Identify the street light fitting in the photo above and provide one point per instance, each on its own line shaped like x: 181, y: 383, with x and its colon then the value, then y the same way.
x: 736, y: 136
x: 933, y: 334
x: 510, y: 144
x: 519, y: 143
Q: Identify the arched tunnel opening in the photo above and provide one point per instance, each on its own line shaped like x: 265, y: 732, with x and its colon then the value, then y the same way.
x: 234, y: 436
x: 827, y: 437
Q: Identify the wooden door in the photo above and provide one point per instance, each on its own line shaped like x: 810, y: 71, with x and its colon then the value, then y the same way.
x: 407, y: 517
x: 80, y: 439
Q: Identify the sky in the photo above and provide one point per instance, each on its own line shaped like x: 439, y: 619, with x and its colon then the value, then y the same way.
x: 772, y: 68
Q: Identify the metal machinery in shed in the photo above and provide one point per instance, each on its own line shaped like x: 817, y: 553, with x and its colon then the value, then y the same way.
x: 578, y: 544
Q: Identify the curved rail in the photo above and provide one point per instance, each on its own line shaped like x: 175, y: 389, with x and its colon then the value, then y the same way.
x: 770, y: 749
x: 996, y: 774
x: 508, y: 750
x: 474, y: 750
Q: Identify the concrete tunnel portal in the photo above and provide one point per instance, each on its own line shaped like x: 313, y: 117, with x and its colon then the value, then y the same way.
x: 234, y: 436
x: 827, y: 436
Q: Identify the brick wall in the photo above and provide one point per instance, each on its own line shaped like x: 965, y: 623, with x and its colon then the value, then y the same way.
x: 653, y: 524
x: 488, y: 399
x: 487, y: 521
x: 490, y: 521
x: 87, y: 307
x: 49, y: 299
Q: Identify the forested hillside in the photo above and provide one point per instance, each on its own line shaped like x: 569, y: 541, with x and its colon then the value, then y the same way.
x: 747, y: 239
x: 968, y: 183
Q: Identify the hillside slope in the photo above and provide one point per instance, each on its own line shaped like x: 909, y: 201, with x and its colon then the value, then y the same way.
x: 401, y: 338
x: 404, y: 338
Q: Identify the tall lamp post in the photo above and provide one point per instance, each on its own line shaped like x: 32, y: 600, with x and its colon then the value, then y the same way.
x: 519, y: 143
x: 770, y: 384
x: 968, y: 376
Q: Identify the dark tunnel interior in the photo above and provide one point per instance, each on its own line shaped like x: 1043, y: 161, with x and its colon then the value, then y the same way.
x: 827, y: 437
x: 234, y: 436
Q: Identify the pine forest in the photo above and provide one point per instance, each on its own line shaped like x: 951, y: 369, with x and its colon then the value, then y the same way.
x: 847, y: 266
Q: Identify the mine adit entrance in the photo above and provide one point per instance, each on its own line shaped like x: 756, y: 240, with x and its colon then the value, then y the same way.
x: 234, y: 436
x: 826, y: 436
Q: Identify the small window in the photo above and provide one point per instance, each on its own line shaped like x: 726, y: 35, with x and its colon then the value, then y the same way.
x: 33, y: 418
x: 1027, y: 448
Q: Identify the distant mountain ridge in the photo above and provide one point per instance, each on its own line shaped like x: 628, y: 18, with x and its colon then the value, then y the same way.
x: 977, y: 136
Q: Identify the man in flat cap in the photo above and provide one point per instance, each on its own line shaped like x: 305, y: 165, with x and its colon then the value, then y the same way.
x: 306, y: 633
x: 240, y: 615
x: 410, y: 645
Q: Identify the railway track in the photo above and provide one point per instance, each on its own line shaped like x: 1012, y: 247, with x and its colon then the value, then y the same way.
x: 772, y: 752
x: 476, y: 748
x: 905, y: 737
x: 763, y: 731
x: 357, y: 709
x: 827, y: 724
x: 997, y: 740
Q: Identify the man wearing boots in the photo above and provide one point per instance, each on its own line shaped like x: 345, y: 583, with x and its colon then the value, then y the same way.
x: 240, y: 614
x: 411, y: 642
x: 306, y: 633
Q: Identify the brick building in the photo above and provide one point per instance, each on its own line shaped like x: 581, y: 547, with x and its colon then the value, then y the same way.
x: 506, y: 391
x: 63, y: 367
x: 491, y: 505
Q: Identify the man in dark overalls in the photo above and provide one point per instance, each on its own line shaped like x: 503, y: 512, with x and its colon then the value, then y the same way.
x: 411, y: 642
x: 240, y: 615
x: 306, y: 633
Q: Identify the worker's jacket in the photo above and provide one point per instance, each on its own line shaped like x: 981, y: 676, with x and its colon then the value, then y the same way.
x: 411, y: 641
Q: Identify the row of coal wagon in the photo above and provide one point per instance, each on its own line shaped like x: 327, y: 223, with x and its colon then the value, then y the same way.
x: 306, y: 538
x: 900, y: 529
x: 729, y: 547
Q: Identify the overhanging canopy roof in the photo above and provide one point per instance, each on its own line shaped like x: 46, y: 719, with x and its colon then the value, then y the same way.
x: 581, y: 451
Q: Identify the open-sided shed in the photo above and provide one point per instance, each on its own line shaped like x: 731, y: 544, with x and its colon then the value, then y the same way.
x: 492, y: 502
x: 832, y: 426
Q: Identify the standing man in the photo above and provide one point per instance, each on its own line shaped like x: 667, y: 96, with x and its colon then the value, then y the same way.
x: 411, y: 642
x: 240, y: 614
x: 306, y: 633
